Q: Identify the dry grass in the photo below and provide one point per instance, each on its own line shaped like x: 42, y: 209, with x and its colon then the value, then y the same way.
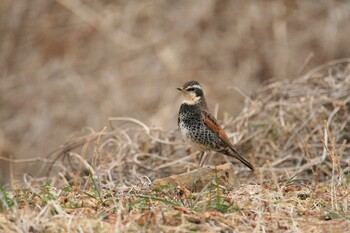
x: 71, y: 65
x: 294, y: 132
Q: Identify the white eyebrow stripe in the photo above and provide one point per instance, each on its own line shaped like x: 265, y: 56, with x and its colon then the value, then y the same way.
x: 194, y: 86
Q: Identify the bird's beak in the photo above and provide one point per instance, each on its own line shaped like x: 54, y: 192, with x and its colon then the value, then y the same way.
x: 180, y: 89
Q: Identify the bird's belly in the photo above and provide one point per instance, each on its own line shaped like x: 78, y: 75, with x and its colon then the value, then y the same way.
x: 184, y: 131
x: 187, y: 136
x: 197, y: 146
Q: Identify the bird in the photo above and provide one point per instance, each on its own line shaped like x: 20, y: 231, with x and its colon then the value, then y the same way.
x: 200, y: 128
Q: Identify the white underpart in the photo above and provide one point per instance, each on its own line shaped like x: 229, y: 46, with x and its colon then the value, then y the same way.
x: 194, y: 145
x: 184, y: 130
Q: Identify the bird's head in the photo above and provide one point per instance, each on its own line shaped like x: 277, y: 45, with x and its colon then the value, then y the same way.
x: 192, y: 92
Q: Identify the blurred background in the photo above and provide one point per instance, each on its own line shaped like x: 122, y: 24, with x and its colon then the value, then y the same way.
x: 66, y: 65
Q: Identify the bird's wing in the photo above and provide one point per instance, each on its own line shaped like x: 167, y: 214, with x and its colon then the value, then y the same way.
x: 212, y: 124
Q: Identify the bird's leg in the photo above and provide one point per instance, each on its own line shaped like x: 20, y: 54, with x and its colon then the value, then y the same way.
x: 194, y: 156
x: 203, y: 159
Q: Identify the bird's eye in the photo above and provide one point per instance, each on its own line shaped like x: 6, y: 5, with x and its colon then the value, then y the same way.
x: 190, y: 89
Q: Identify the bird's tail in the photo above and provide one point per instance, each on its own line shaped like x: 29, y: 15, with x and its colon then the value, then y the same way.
x: 235, y: 154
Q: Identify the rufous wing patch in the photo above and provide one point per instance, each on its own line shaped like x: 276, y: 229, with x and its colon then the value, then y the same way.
x: 216, y: 128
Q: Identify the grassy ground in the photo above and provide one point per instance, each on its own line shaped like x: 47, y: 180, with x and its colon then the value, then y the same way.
x: 264, y: 207
x: 295, y: 133
x: 66, y: 65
